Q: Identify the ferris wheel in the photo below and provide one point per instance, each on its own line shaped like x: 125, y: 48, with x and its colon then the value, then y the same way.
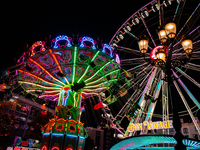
x: 160, y: 31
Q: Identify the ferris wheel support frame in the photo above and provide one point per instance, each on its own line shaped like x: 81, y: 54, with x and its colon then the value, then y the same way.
x: 187, y: 107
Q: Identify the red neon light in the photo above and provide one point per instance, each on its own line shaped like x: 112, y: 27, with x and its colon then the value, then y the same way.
x: 73, y: 125
x: 54, y: 57
x: 66, y: 88
x: 69, y: 148
x: 58, y: 125
x: 44, y: 147
x: 55, y: 148
x: 37, y: 77
x: 45, y: 70
x: 97, y: 106
x: 153, y: 52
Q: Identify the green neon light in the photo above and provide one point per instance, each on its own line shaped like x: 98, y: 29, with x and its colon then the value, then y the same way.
x: 74, y: 64
x: 74, y: 99
x: 104, y: 87
x: 103, y: 77
x: 60, y: 98
x: 88, y: 66
x: 97, y: 72
x: 93, y: 86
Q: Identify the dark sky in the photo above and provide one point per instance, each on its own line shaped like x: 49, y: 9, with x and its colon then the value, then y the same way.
x: 29, y: 21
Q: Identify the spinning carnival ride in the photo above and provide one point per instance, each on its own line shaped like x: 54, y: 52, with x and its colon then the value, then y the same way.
x: 67, y: 70
x: 146, y: 63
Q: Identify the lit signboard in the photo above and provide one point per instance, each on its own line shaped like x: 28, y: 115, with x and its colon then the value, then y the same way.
x: 150, y: 125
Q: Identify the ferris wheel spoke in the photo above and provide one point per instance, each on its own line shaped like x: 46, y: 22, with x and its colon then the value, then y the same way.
x: 39, y: 78
x: 147, y: 29
x: 192, y: 66
x: 133, y: 61
x: 59, y: 67
x: 195, y: 18
x: 133, y: 96
x: 187, y: 107
x: 129, y: 50
x: 153, y: 104
x: 143, y: 73
x: 134, y: 68
x: 52, y: 76
x: 141, y: 102
x: 188, y: 77
x: 187, y: 90
x: 178, y: 12
x: 195, y: 31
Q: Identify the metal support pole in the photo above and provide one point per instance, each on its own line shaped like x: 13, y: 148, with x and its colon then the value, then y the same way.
x: 176, y: 120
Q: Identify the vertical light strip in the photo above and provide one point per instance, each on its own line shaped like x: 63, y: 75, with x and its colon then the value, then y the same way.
x: 54, y: 57
x: 46, y: 71
x: 88, y: 66
x: 74, y: 98
x: 74, y: 64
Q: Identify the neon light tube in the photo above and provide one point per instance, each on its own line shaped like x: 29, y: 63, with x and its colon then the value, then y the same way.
x: 187, y: 107
x: 103, y: 77
x: 187, y: 76
x: 187, y: 90
x: 93, y: 86
x: 97, y: 71
x: 39, y: 85
x: 74, y: 64
x: 88, y: 66
x: 39, y: 78
x: 54, y: 57
x: 46, y: 71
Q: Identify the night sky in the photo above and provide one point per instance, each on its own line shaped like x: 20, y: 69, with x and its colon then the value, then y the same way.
x: 29, y: 22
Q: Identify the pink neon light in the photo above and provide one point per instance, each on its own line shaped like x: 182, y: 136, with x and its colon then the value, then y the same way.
x: 46, y: 71
x: 129, y: 19
x: 127, y: 145
x: 154, y: 50
x: 36, y: 44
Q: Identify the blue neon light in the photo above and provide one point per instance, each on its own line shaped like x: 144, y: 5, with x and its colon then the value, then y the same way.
x: 88, y: 39
x: 62, y: 37
x: 109, y: 48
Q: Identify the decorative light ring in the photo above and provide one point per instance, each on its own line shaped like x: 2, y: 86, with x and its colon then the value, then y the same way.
x: 58, y: 125
x: 44, y: 147
x: 72, y: 125
x: 62, y: 37
x: 87, y: 39
x: 36, y: 44
x: 55, y: 148
x: 69, y: 148
x: 107, y: 50
x: 153, y: 52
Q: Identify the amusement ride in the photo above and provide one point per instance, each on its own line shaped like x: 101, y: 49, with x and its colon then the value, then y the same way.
x: 138, y: 76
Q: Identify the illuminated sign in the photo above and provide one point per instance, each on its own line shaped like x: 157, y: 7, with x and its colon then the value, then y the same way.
x: 150, y: 125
